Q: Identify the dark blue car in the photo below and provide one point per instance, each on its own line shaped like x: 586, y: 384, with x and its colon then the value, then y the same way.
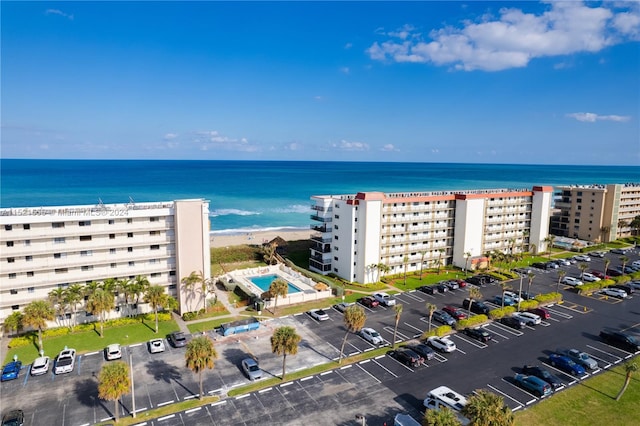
x: 11, y: 370
x: 565, y: 364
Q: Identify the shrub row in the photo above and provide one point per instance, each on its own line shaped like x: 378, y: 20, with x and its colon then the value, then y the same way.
x: 525, y: 305
x: 501, y: 312
x: 471, y: 322
x: 549, y: 298
x: 440, y: 331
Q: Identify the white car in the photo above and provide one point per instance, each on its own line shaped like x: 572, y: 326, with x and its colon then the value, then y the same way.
x: 528, y: 318
x: 65, y: 362
x: 597, y: 254
x: 40, y: 366
x: 614, y: 292
x: 341, y: 307
x: 112, y: 352
x: 572, y: 281
x: 371, y: 336
x: 582, y: 258
x: 441, y: 344
x: 514, y: 296
x: 563, y: 262
x: 318, y: 314
x: 156, y: 346
x: 384, y: 299
x: 590, y: 278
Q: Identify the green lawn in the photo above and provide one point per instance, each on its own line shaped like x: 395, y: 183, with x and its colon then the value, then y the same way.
x: 591, y: 402
x: 90, y: 341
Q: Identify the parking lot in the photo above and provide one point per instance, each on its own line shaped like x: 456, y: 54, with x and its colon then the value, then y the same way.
x: 378, y: 387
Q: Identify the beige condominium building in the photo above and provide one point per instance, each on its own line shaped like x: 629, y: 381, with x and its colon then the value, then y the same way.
x: 599, y: 213
x: 361, y: 236
x: 45, y: 248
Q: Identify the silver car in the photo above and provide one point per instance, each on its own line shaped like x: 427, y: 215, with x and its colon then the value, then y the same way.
x: 156, y: 346
x: 40, y: 366
x: 251, y: 369
x: 112, y: 352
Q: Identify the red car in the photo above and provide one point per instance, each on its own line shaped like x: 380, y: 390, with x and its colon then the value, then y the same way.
x: 457, y: 313
x: 600, y: 275
x: 369, y: 302
x: 461, y: 283
x: 541, y: 312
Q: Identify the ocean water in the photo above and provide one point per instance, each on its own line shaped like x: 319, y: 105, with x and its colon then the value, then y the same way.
x: 249, y: 196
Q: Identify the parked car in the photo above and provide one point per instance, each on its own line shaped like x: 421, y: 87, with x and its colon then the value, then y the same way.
x: 456, y: 313
x: 618, y: 251
x: 156, y: 346
x: 572, y: 281
x: 443, y: 318
x: 441, y: 344
x: 177, y: 339
x: 461, y: 283
x: 371, y: 336
x: 488, y: 278
x: 368, y: 301
x: 341, y: 307
x: 565, y: 364
x: 624, y: 287
x: 406, y: 356
x: 66, y: 361
x: 613, y: 272
x: 11, y: 371
x: 423, y: 350
x: 477, y: 307
x: 528, y: 318
x: 513, y: 295
x: 579, y: 357
x: 541, y: 312
x: 543, y: 374
x: 428, y: 289
x: 533, y: 384
x: 539, y: 265
x: 112, y: 352
x: 384, y: 299
x: 452, y: 285
x: 634, y: 284
x: 599, y: 254
x: 620, y: 340
x: 478, y: 334
x: 441, y: 288
x: 318, y: 314
x: 507, y: 300
x: 40, y: 366
x: 551, y: 265
x: 563, y: 262
x: 522, y: 271
x: 527, y: 296
x: 590, y: 278
x: 512, y: 322
x: 13, y: 418
x: 614, y: 292
x: 600, y: 275
x: 476, y: 280
x: 251, y: 368
x: 582, y: 258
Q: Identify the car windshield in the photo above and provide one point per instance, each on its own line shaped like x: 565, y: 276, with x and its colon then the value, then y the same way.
x: 65, y: 361
x: 39, y: 362
x: 253, y: 368
x: 375, y: 334
x: 179, y: 337
x: 545, y: 374
x: 320, y: 312
x: 583, y: 356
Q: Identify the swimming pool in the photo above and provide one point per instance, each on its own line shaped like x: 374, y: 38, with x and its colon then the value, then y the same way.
x: 264, y: 281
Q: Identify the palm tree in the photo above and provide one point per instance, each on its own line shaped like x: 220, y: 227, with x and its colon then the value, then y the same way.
x: 440, y: 252
x: 382, y: 268
x: 139, y: 287
x: 607, y: 262
x: 530, y: 277
x: 549, y: 241
x: 504, y: 287
x: 114, y: 381
x: 398, y: 311
x: 285, y: 341
x: 13, y: 322
x: 405, y: 262
x: 124, y: 288
x: 278, y: 287
x: 604, y: 231
x: 354, y: 319
x: 89, y: 289
x: 157, y: 298
x: 583, y: 267
x: 441, y: 417
x: 635, y: 224
x: 57, y: 299
x: 624, y: 260
x: 269, y: 252
x: 36, y: 314
x: 630, y: 367
x: 189, y: 285
x: 467, y: 256
x: 474, y: 294
x: 485, y: 408
x: 622, y: 224
x: 431, y: 308
x: 110, y: 285
x: 74, y: 295
x: 99, y: 303
x: 561, y: 275
x: 422, y: 255
x: 200, y: 355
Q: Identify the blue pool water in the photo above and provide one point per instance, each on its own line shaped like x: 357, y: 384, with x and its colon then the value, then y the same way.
x: 265, y: 281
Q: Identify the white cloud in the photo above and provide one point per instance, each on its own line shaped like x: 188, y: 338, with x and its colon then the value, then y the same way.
x: 344, y: 145
x: 59, y: 12
x: 591, y: 117
x: 170, y: 136
x: 389, y: 147
x: 212, y: 139
x: 514, y: 38
x: 293, y: 146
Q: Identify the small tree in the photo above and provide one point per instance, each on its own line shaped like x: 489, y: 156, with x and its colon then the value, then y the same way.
x: 99, y: 303
x: 422, y: 255
x: 485, y: 408
x: 354, y: 319
x: 57, y: 297
x: 624, y: 260
x: 36, y: 314
x: 561, y: 275
x: 440, y: 253
x: 431, y: 308
x: 474, y: 294
x: 583, y: 267
x: 74, y: 296
x: 467, y: 256
x: 113, y: 382
x: 278, y: 287
x: 442, y: 417
x: 285, y: 341
x: 530, y: 277
x: 504, y: 287
x: 630, y: 367
x: 13, y: 322
x: 199, y: 356
x: 398, y: 312
x: 157, y: 298
x: 405, y: 262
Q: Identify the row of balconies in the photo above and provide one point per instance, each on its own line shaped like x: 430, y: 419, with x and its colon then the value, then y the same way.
x: 36, y: 232
x: 324, y: 219
x: 321, y: 228
x: 506, y: 201
x: 420, y: 208
x: 320, y: 208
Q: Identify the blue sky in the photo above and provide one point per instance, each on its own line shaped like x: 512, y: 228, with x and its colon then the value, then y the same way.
x: 476, y: 82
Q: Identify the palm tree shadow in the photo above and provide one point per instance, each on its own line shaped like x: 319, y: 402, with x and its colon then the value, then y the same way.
x: 162, y: 371
x: 148, y: 326
x: 597, y: 390
x: 86, y: 393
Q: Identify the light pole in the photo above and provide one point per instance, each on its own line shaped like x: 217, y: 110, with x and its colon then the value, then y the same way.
x: 520, y: 293
x: 361, y: 419
x: 133, y: 392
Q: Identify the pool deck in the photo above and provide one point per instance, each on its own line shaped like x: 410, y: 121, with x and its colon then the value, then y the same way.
x: 308, y: 292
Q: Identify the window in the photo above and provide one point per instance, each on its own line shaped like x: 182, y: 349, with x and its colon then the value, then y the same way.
x: 337, y: 216
x: 31, y: 290
x: 11, y: 259
x: 579, y: 200
x: 129, y: 220
x: 15, y: 307
x: 14, y: 291
x: 111, y: 221
x: 130, y: 249
x: 155, y: 274
x: 153, y: 261
x: 61, y: 270
x: 155, y: 247
x: 85, y: 238
x: 129, y: 234
x: 26, y: 226
x: 12, y: 275
x: 57, y: 225
x: 9, y: 243
x: 59, y: 255
x: 173, y: 287
x: 27, y: 242
x: 8, y: 227
x: 30, y: 273
x: 112, y: 236
x: 172, y: 273
x: 112, y: 251
x: 335, y: 237
x: 132, y: 263
x: 113, y: 265
x: 58, y: 240
x: 84, y: 223
x: 87, y: 268
x: 152, y: 233
x: 153, y: 219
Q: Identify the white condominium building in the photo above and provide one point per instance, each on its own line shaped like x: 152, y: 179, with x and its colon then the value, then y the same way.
x: 357, y: 234
x: 44, y: 248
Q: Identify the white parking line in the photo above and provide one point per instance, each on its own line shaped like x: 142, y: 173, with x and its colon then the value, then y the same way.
x: 190, y: 397
x: 398, y: 334
x: 395, y: 360
x: 415, y: 328
x: 193, y: 410
x: 326, y: 372
x: 471, y: 342
x: 170, y: 416
x: 496, y: 333
x: 500, y: 392
x: 523, y: 390
x: 284, y: 385
x: 92, y: 353
x: 604, y: 352
x: 217, y: 403
x: 135, y: 345
x: 164, y: 403
x: 241, y: 396
x: 508, y: 329
x: 265, y: 390
x: 345, y: 367
x: 384, y: 368
x: 304, y: 379
x: 108, y: 418
x: 372, y: 376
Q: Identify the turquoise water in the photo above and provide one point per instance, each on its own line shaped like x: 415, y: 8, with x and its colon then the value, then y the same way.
x: 265, y: 281
x: 252, y: 196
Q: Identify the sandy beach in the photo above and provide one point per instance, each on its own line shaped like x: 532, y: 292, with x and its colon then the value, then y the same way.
x: 253, y: 238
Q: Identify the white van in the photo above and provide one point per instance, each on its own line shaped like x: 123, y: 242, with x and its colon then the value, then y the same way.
x: 443, y: 396
x: 636, y: 263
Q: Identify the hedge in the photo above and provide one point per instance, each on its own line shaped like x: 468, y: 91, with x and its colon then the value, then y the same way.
x: 471, y: 322
x: 549, y: 298
x: 525, y: 305
x: 443, y: 330
x: 501, y: 312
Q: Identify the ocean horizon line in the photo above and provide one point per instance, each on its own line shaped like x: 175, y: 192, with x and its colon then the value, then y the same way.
x: 249, y: 230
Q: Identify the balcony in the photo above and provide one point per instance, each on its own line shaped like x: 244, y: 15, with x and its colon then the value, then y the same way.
x: 321, y: 228
x: 320, y: 239
x: 322, y: 248
x: 321, y: 218
x: 321, y: 208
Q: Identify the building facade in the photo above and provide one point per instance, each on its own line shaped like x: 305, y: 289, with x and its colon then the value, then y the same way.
x: 358, y: 237
x: 599, y: 213
x: 46, y: 248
